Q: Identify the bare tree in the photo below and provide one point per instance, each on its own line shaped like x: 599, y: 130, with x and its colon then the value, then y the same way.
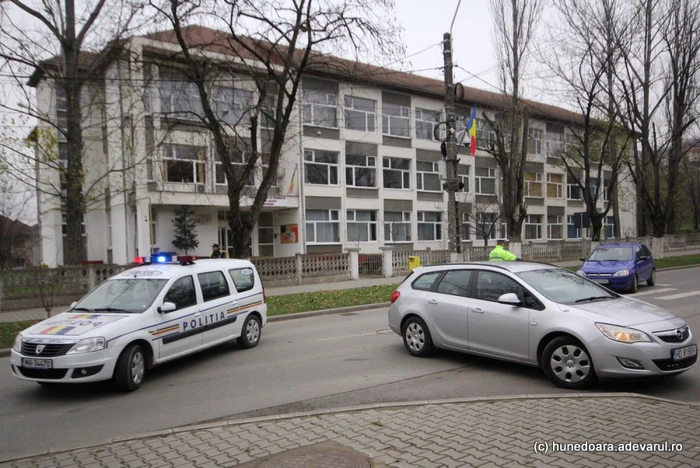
x: 660, y: 49
x: 16, y: 236
x: 582, y: 63
x: 691, y: 170
x: 487, y: 221
x: 273, y: 45
x: 65, y: 33
x: 515, y: 22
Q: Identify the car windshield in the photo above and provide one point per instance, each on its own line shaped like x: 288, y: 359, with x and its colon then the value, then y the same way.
x: 565, y: 287
x: 128, y: 295
x: 612, y: 253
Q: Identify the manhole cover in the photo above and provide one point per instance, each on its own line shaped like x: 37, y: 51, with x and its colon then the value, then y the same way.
x: 316, y: 457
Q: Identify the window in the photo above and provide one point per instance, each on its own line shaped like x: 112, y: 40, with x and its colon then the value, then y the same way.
x: 64, y: 223
x: 213, y: 285
x: 397, y: 226
x: 593, y: 184
x: 487, y: 226
x: 320, y: 167
x: 429, y: 225
x: 395, y: 120
x: 572, y: 232
x: 533, y: 227
x: 265, y: 164
x: 154, y: 227
x: 184, y: 163
x: 485, y: 134
x: 61, y: 112
x: 360, y: 171
x: 555, y: 227
x: 425, y: 282
x: 362, y: 226
x: 397, y: 173
x: 485, y: 180
x: 266, y: 235
x: 243, y: 279
x: 455, y: 283
x: 268, y: 111
x: 573, y: 191
x: 239, y: 160
x: 322, y: 226
x: 534, y: 141
x: 463, y: 174
x: 232, y: 105
x: 428, y: 176
x: 319, y: 108
x: 609, y: 227
x: 180, y: 98
x: 359, y: 114
x: 555, y: 144
x: 491, y: 285
x: 466, y: 227
x: 182, y: 293
x: 606, y: 191
x: 555, y: 186
x: 426, y: 121
x: 562, y: 286
x: 533, y: 184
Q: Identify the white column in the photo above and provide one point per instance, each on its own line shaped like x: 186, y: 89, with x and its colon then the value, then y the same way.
x: 354, y: 263
x: 387, y: 261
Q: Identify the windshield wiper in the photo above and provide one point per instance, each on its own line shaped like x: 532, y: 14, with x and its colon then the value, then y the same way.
x: 593, y: 298
x: 83, y: 308
x: 112, y: 309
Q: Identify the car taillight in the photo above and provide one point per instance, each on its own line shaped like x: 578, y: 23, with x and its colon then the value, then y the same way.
x: 264, y: 296
x: 395, y: 296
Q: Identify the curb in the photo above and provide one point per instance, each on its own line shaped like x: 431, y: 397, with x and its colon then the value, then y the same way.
x: 5, y: 352
x: 352, y: 409
x: 340, y: 310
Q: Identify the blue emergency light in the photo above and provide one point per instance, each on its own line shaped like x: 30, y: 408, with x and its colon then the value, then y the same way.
x: 166, y: 258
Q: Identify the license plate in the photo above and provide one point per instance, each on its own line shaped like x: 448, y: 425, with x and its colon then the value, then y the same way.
x: 683, y: 353
x: 37, y: 363
x: 600, y: 281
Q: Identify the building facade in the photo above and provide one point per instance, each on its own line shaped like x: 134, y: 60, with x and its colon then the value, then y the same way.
x: 361, y: 167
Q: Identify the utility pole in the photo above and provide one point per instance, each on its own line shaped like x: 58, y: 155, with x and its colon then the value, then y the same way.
x: 452, y: 161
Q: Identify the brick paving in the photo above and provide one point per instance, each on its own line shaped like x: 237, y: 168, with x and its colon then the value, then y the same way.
x: 520, y: 431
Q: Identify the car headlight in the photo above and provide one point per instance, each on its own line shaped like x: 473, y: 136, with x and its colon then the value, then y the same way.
x: 622, y: 273
x: 88, y: 345
x: 622, y: 334
x: 581, y: 273
x: 18, y: 344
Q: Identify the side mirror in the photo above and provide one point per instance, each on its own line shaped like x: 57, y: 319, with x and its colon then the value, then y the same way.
x: 641, y: 258
x: 583, y: 259
x: 510, y: 299
x: 166, y: 307
x: 73, y: 304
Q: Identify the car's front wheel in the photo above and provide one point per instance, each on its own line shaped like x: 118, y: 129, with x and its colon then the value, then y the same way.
x: 652, y: 278
x: 567, y: 363
x: 250, y: 335
x: 130, y: 369
x: 635, y: 284
x: 416, y: 337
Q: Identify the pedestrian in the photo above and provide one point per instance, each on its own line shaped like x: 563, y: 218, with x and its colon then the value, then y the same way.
x: 499, y: 253
x: 216, y: 253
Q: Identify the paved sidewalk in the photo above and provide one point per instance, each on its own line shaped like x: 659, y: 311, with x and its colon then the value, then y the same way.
x: 493, y: 432
x: 39, y: 314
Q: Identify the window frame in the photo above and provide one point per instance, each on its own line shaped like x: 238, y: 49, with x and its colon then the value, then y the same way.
x: 420, y: 177
x: 534, y: 138
x: 369, y: 224
x: 437, y: 226
x: 405, y: 173
x: 194, y: 288
x: 533, y: 184
x: 569, y: 225
x: 314, y: 233
x: 169, y: 154
x: 243, y: 161
x: 352, y: 169
x: 559, y: 222
x: 386, y: 120
x: 538, y: 226
x: 329, y: 166
x: 369, y: 116
x: 331, y: 103
x: 405, y: 221
x: 478, y: 180
x: 421, y: 121
x: 558, y: 186
x: 570, y: 188
x: 208, y: 299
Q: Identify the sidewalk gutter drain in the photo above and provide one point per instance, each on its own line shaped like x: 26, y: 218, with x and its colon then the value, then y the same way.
x: 324, y: 455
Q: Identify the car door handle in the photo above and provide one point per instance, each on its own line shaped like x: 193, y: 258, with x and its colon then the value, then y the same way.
x: 478, y: 311
x: 197, y: 314
x: 432, y: 301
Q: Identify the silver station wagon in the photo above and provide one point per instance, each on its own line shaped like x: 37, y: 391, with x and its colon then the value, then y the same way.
x: 574, y: 329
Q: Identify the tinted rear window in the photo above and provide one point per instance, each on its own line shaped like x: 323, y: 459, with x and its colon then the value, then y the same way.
x: 243, y: 279
x: 425, y: 281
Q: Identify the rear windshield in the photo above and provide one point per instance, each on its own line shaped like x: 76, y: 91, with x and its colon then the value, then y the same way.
x: 612, y: 253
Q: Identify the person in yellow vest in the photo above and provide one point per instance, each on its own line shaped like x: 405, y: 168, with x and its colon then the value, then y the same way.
x: 499, y: 253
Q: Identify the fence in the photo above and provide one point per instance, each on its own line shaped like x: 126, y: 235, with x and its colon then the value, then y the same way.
x: 427, y: 257
x: 303, y: 269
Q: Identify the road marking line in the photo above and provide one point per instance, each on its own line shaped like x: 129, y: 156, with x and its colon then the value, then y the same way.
x: 653, y: 291
x: 679, y: 296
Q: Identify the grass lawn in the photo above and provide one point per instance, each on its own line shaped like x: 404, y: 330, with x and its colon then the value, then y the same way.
x: 305, y: 302
x: 9, y: 330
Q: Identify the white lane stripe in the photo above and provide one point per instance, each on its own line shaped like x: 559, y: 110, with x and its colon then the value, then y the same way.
x: 679, y: 296
x: 653, y: 291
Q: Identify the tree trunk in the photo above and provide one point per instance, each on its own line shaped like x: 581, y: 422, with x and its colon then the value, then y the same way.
x: 596, y: 228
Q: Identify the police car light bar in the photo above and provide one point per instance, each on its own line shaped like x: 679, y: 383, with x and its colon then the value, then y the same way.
x: 165, y: 259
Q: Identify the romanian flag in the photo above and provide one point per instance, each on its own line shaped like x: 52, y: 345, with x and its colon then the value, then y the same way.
x: 471, y: 129
x: 292, y: 183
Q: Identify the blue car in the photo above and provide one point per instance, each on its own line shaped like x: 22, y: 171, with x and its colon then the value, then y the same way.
x: 620, y: 266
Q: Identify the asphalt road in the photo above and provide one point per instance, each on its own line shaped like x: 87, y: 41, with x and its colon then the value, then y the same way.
x: 316, y: 363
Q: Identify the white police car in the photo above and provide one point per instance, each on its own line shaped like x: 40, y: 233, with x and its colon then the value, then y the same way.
x: 142, y: 317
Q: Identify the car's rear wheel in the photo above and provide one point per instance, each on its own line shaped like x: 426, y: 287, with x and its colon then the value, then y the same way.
x: 130, y: 369
x: 567, y: 363
x: 635, y: 285
x: 652, y: 278
x: 250, y: 334
x: 416, y: 337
